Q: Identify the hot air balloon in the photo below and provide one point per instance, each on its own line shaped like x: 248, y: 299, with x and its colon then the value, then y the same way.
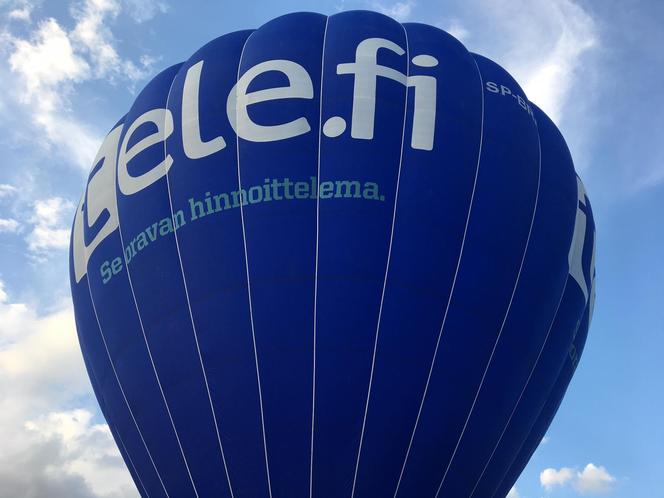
x: 332, y: 257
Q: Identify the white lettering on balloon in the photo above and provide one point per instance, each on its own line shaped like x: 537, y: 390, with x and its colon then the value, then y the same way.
x: 113, y: 160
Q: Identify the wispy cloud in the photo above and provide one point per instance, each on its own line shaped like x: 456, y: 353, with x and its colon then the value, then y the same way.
x: 50, y: 228
x: 19, y: 10
x: 6, y: 190
x: 543, y: 43
x: 554, y: 50
x: 548, y: 83
x: 513, y: 493
x: 93, y: 37
x: 50, y: 62
x: 144, y: 10
x: 456, y: 28
x: 46, y: 67
x: 401, y: 11
x: 9, y: 225
x: 22, y: 14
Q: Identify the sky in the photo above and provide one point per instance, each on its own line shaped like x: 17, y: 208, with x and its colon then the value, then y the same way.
x: 69, y: 69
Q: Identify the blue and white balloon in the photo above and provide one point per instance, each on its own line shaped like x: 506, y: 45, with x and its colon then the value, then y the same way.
x: 332, y: 257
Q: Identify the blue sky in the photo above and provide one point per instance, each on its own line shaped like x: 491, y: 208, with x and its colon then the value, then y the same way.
x: 70, y: 69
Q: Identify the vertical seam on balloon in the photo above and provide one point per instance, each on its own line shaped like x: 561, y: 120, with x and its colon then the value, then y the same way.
x: 246, y: 264
x: 191, y: 315
x: 502, y: 325
x: 313, y: 388
x: 117, y: 378
x: 532, y: 371
x: 456, y: 272
x: 154, y: 368
x: 138, y: 475
x: 387, y: 267
x: 516, y: 405
x: 115, y: 433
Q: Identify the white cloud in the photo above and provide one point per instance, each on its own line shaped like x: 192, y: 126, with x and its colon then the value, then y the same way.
x: 548, y: 41
x: 49, y: 212
x: 456, y: 29
x: 21, y: 14
x: 92, y: 36
x: 550, y: 82
x: 591, y: 480
x: 53, y: 443
x: 9, y: 225
x: 144, y: 10
x: 47, y: 66
x: 37, y: 354
x: 553, y: 48
x: 550, y: 478
x: 513, y: 493
x: 51, y: 61
x: 401, y: 11
x: 48, y: 448
x: 50, y: 221
x: 6, y: 190
x: 47, y: 59
x: 88, y: 449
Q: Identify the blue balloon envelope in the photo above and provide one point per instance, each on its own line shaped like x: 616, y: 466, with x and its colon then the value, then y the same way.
x: 334, y: 256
